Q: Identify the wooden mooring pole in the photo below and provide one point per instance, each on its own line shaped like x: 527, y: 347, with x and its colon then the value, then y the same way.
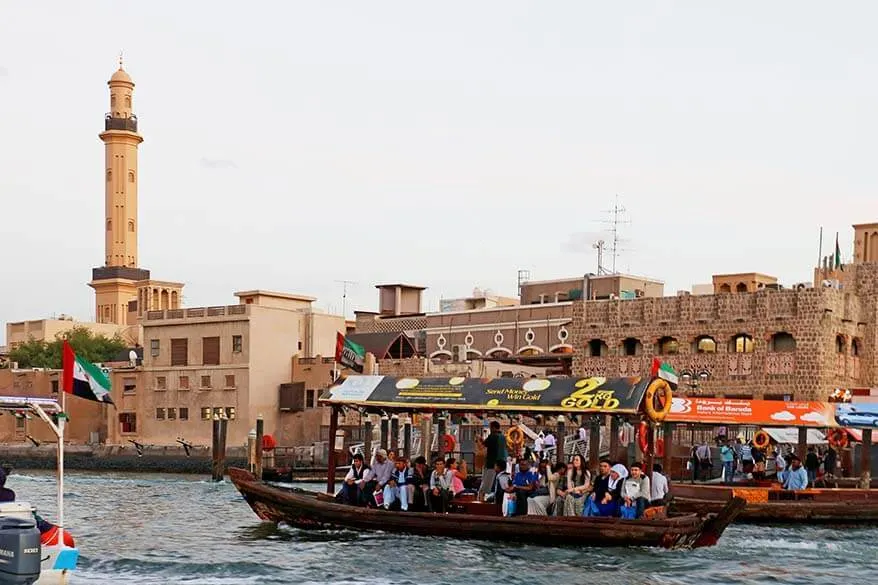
x: 260, y: 430
x: 218, y: 452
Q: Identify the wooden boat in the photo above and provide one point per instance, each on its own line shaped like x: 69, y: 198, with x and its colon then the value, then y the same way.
x: 310, y: 510
x: 773, y: 505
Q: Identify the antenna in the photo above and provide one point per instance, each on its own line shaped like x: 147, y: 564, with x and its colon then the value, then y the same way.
x: 523, y: 277
x: 617, y: 212
x: 344, y: 296
x: 599, y: 246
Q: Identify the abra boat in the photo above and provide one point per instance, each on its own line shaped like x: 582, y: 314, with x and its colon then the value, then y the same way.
x: 34, y: 550
x: 774, y: 505
x: 310, y: 510
x: 637, y: 397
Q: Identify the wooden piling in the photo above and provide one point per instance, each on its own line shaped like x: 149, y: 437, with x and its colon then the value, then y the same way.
x: 394, y: 435
x: 407, y: 440
x: 260, y: 430
x: 333, y: 458
x: 251, y: 451
x: 216, y: 473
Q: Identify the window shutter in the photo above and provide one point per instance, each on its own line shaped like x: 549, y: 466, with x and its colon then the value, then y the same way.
x: 179, y: 352
x: 210, y: 347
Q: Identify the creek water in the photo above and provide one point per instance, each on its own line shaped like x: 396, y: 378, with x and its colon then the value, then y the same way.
x: 157, y: 529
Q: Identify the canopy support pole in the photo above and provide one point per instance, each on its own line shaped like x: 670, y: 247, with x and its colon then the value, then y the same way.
x: 440, y: 431
x: 668, y: 439
x: 407, y: 439
x: 594, y: 444
x: 559, y: 441
x: 332, y: 463
x: 394, y: 435
x: 614, y: 437
x: 866, y: 460
x: 802, y: 446
x: 367, y: 440
x: 385, y: 432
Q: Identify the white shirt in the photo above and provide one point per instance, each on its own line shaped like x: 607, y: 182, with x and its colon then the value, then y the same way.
x: 538, y: 444
x: 367, y: 474
x: 582, y: 434
x: 659, y: 487
x: 381, y: 471
x: 549, y: 441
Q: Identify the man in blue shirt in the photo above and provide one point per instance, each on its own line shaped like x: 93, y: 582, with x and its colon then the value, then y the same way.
x: 796, y: 476
x: 525, y: 482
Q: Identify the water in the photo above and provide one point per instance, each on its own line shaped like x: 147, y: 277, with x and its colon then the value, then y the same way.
x: 158, y: 529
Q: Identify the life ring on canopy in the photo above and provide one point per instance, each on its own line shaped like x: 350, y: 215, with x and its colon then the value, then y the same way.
x: 268, y: 443
x: 642, y: 436
x: 448, y: 443
x: 514, y: 437
x: 663, y: 389
x: 838, y: 438
x: 761, y: 440
x: 659, y: 447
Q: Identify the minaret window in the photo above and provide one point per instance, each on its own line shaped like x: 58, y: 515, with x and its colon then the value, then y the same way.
x: 127, y: 101
x: 109, y: 224
x: 130, y: 176
x: 112, y: 101
x: 109, y: 175
x: 130, y: 225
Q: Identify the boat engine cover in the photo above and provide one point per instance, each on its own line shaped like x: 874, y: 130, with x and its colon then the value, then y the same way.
x: 19, y: 551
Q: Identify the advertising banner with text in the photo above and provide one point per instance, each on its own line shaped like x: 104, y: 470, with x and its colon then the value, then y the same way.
x: 772, y: 413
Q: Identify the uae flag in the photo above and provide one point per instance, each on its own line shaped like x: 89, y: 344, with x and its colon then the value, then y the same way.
x: 84, y: 379
x: 349, y: 354
x: 664, y: 371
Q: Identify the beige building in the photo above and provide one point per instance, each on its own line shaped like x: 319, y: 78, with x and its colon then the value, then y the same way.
x: 743, y: 282
x: 227, y: 360
x: 49, y: 329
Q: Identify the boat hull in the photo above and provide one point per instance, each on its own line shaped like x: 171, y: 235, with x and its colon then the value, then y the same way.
x: 58, y: 564
x: 308, y: 510
x: 771, y: 505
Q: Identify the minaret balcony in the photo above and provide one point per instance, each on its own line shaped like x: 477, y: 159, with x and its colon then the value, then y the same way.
x: 113, y: 123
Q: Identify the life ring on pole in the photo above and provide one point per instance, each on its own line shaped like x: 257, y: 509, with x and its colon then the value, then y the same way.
x: 761, y: 440
x: 642, y: 436
x: 268, y: 443
x: 514, y: 437
x: 838, y: 438
x: 661, y: 389
x: 448, y: 443
x: 659, y: 447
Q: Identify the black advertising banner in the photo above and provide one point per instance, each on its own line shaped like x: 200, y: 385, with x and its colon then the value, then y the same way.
x: 622, y: 395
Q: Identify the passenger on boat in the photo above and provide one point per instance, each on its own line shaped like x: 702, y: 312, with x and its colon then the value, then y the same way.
x: 382, y: 468
x: 796, y: 476
x: 502, y: 490
x: 727, y: 454
x: 830, y: 461
x: 604, y: 501
x: 543, y: 500
x: 758, y: 463
x: 746, y: 457
x: 705, y: 462
x: 539, y: 445
x: 636, y: 492
x: 354, y: 489
x: 571, y: 499
x: 495, y: 450
x: 812, y: 464
x: 549, y: 445
x: 659, y: 488
x: 420, y: 482
x: 399, y: 487
x: 458, y: 474
x: 525, y: 482
x: 440, y: 486
x: 780, y: 464
x: 6, y: 494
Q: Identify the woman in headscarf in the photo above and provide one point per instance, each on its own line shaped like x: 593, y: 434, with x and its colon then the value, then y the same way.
x: 604, y: 500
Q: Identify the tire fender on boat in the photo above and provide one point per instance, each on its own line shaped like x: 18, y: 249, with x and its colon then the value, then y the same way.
x: 662, y: 389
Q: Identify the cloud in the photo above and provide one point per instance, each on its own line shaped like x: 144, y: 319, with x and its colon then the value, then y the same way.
x: 783, y: 415
x: 218, y: 163
x: 3, y: 71
x: 814, y: 417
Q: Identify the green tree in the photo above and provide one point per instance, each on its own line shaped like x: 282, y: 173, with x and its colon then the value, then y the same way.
x: 47, y: 354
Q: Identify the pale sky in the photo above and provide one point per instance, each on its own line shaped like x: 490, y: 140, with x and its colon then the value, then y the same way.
x: 290, y: 145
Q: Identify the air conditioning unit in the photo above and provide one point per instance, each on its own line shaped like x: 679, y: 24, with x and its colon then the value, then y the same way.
x: 830, y: 283
x: 459, y: 352
x: 638, y: 293
x: 802, y: 286
x: 760, y: 286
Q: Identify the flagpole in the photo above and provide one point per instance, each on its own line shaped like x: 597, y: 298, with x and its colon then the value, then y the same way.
x: 61, y: 423
x: 820, y: 251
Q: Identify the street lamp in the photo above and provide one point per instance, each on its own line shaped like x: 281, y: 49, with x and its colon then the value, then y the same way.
x: 693, y: 379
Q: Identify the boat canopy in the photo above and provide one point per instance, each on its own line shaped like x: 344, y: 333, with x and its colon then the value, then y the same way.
x: 558, y: 395
x: 773, y: 413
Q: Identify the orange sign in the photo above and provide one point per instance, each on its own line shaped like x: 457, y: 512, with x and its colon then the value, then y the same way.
x: 752, y: 412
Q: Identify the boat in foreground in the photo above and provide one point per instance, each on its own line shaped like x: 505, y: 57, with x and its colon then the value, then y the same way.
x: 773, y: 505
x: 311, y: 510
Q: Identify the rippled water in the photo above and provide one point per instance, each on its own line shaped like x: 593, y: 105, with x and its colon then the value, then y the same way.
x: 152, y: 529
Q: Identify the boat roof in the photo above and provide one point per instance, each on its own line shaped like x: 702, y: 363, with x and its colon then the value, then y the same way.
x: 558, y: 395
x: 49, y: 405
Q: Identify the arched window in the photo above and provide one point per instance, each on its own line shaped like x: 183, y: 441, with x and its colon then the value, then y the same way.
x: 668, y: 346
x: 109, y: 224
x: 856, y: 346
x: 704, y: 344
x: 113, y: 101
x: 741, y: 343
x: 632, y: 346
x: 782, y: 341
x: 128, y: 101
x: 840, y: 343
x: 130, y: 176
x: 741, y: 287
x: 725, y: 288
x: 597, y: 348
x: 109, y: 175
x: 131, y: 225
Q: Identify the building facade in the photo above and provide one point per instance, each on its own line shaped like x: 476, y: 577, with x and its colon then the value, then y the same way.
x: 48, y: 329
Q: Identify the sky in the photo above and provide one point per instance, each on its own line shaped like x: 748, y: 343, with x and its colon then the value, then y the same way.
x: 293, y: 145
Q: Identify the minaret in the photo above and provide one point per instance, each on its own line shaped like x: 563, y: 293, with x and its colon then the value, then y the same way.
x: 121, y: 140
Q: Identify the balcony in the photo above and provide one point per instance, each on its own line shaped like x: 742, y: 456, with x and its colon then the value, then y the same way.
x: 129, y: 124
x: 197, y: 313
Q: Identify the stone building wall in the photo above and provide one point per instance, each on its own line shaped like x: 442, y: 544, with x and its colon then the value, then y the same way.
x: 833, y: 332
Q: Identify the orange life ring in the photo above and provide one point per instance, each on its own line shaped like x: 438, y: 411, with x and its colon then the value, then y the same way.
x: 838, y: 438
x: 659, y: 447
x: 761, y: 440
x: 448, y: 443
x: 268, y: 443
x: 661, y: 387
x: 642, y: 438
x: 514, y: 437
